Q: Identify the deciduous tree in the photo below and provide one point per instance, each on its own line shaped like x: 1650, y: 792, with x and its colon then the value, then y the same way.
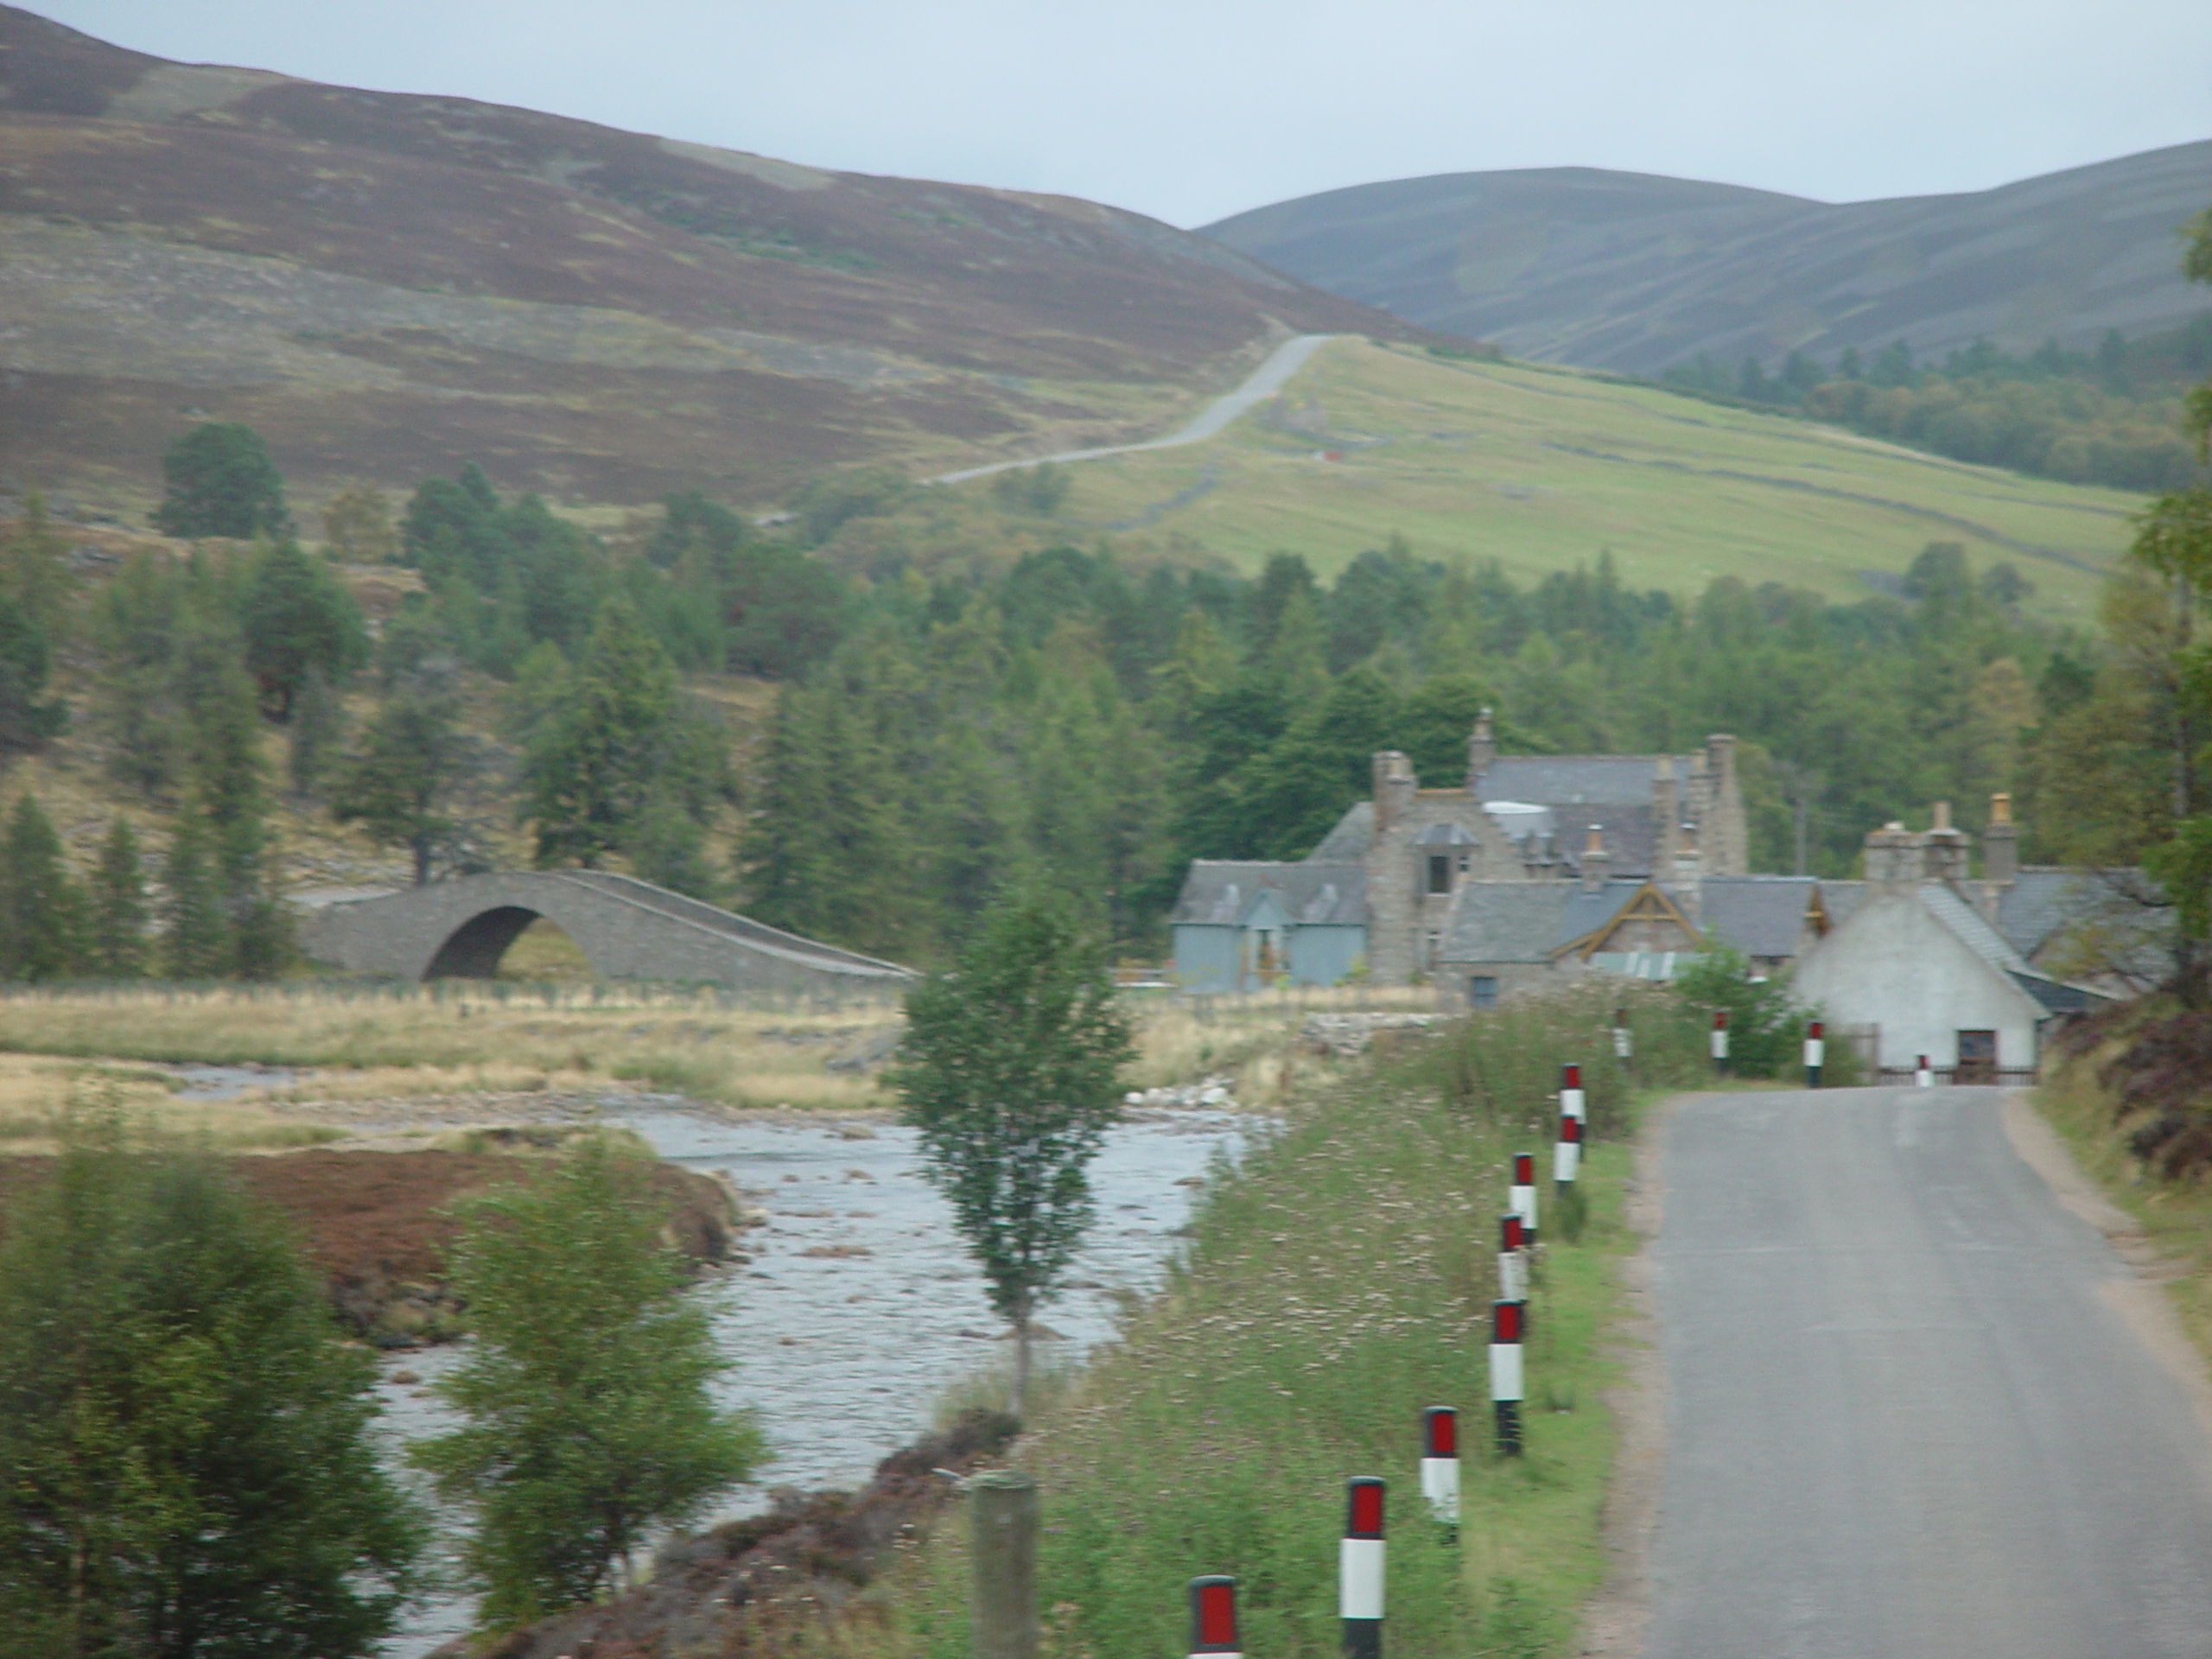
x: 1008, y: 1071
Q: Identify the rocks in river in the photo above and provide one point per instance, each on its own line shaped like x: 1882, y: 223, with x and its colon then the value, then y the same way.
x: 1212, y: 1092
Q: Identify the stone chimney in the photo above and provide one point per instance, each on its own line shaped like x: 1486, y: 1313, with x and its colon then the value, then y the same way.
x: 2000, y: 843
x: 1893, y: 855
x: 1689, y: 892
x: 1595, y: 861
x: 1481, y: 749
x: 1666, y: 815
x: 1722, y: 815
x: 1393, y: 790
x: 1944, y: 848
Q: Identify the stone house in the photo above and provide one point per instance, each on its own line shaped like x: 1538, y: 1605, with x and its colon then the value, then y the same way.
x: 1381, y: 892
x: 1506, y: 939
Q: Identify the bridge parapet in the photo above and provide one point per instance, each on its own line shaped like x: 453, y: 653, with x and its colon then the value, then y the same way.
x: 627, y: 929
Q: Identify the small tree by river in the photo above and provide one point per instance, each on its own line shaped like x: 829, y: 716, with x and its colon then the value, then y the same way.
x: 586, y: 1390
x: 1009, y: 1071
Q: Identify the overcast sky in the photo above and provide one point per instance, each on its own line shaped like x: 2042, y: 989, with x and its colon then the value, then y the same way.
x: 1191, y: 109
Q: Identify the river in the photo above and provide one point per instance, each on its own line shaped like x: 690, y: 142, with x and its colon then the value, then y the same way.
x: 860, y: 1306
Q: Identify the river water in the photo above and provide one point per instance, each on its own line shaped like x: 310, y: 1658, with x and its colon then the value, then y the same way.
x: 860, y: 1305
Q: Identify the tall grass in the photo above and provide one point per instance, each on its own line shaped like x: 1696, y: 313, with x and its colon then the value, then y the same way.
x: 1335, y: 1285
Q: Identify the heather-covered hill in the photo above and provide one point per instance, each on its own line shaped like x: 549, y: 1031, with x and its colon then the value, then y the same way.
x: 383, y: 282
x: 1632, y: 272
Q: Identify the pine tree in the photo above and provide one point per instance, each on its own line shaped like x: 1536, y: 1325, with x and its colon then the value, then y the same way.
x: 42, y: 908
x: 296, y: 620
x: 586, y: 1389
x: 413, y: 757
x: 116, y: 937
x: 221, y: 482
x: 189, y: 1471
x: 597, y: 757
x: 318, y: 728
x: 668, y: 847
x: 196, y: 940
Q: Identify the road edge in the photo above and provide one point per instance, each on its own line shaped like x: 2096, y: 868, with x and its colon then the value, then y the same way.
x: 1612, y: 1622
x: 2139, y: 1299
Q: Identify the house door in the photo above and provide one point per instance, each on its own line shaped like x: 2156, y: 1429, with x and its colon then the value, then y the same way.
x: 1976, y: 1057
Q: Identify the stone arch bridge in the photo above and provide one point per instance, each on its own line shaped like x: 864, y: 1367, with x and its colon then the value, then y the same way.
x: 627, y: 929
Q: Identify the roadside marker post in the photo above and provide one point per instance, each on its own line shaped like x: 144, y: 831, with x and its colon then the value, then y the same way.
x: 1360, y: 1569
x: 1505, y: 1380
x: 1566, y: 1156
x: 1512, y: 1265
x: 1816, y: 1050
x: 1720, y: 1042
x: 1570, y: 1093
x: 1923, y: 1076
x: 1521, y: 1200
x: 1624, y: 1040
x: 1439, y: 1464
x: 1213, y: 1618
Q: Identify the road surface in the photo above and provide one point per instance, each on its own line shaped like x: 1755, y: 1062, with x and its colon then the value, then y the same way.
x: 1907, y: 1418
x: 1266, y: 380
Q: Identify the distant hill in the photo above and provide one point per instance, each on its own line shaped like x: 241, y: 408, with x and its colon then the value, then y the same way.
x: 1633, y: 273
x: 384, y: 283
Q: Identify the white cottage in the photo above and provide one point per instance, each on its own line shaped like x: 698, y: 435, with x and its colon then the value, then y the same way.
x: 1920, y: 963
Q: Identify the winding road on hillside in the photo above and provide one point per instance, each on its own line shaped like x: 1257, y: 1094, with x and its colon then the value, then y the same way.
x: 1917, y: 1408
x: 1264, y: 382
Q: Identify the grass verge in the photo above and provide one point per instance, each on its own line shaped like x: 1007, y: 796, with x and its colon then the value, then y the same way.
x: 1335, y: 1284
x: 2174, y: 1214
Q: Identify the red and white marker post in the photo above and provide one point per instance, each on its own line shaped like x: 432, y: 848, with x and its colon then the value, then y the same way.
x: 1571, y: 1098
x: 1512, y: 1259
x: 1624, y: 1040
x: 1439, y: 1464
x: 1566, y: 1156
x: 1720, y: 1041
x: 1521, y: 1199
x: 1923, y: 1075
x: 1816, y: 1050
x: 1213, y: 1618
x: 1506, y: 1381
x: 1360, y: 1569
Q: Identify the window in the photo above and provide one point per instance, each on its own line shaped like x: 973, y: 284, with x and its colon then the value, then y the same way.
x: 1482, y: 991
x: 1440, y: 873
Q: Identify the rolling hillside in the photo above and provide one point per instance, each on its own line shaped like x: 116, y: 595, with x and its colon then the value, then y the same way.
x: 1540, y: 468
x: 384, y: 283
x: 1631, y: 272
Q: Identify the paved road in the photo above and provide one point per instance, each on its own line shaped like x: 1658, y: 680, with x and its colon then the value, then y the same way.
x: 1905, y: 1418
x: 1266, y: 380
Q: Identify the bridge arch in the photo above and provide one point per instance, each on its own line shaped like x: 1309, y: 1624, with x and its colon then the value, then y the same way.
x: 625, y: 928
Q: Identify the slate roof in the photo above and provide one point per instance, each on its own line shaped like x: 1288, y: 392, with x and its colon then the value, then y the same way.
x: 1218, y: 892
x: 1560, y: 780
x: 1631, y: 835
x: 1978, y: 936
x: 2043, y: 902
x: 1586, y: 913
x: 1349, y: 842
x: 1760, y: 915
x: 1841, y: 897
x: 1507, y: 921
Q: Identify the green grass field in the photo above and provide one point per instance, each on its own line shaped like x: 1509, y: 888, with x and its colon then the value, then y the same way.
x: 1540, y: 468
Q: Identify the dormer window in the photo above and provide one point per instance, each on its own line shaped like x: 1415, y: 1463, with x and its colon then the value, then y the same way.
x: 1440, y: 873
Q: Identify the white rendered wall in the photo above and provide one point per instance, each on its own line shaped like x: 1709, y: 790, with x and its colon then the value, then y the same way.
x: 1893, y: 965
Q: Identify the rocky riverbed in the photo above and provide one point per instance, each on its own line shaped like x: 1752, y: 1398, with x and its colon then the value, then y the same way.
x: 858, y: 1308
